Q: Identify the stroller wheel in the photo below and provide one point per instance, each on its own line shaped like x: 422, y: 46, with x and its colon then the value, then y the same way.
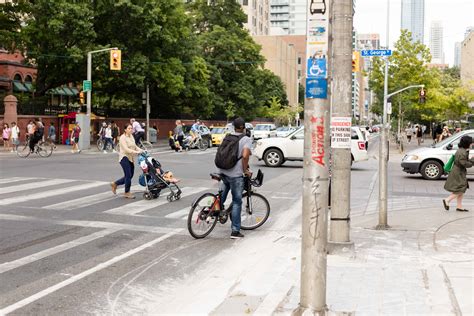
x: 147, y: 196
x: 170, y: 198
x: 177, y: 196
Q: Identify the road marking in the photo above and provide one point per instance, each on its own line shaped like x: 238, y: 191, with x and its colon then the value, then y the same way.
x: 144, y: 205
x: 33, y: 185
x: 45, y: 194
x: 71, y: 280
x: 179, y: 214
x: 89, y: 224
x: 15, y: 179
x: 86, y: 200
x: 7, y: 266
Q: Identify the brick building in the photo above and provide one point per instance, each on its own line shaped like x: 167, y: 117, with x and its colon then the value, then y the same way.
x: 15, y: 75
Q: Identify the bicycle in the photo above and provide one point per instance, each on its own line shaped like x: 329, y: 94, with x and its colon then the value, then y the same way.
x: 109, y: 147
x: 207, y: 209
x: 41, y: 148
x: 198, y: 142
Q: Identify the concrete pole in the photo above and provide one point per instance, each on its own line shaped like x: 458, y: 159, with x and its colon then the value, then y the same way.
x: 85, y: 138
x: 315, y: 183
x: 148, y: 112
x: 341, y: 106
x: 383, y: 146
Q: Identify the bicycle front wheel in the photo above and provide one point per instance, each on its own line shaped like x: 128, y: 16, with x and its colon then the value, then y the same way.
x: 146, y: 145
x: 23, y: 150
x: 202, y: 144
x: 100, y: 144
x: 255, y: 211
x: 201, y: 218
x: 45, y: 150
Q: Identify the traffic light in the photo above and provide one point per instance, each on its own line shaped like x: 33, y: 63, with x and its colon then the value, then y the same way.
x: 422, y: 96
x: 115, y: 59
x: 81, y: 97
x: 355, y: 61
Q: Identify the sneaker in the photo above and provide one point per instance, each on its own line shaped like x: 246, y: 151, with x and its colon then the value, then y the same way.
x: 79, y: 151
x: 113, y: 150
x: 129, y: 195
x: 236, y: 235
x: 105, y: 151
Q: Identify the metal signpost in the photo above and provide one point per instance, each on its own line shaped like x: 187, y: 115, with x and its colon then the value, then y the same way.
x: 315, y: 166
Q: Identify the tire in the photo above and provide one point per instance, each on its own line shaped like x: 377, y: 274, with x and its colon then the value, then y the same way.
x: 260, y: 209
x: 100, y: 144
x: 200, y: 224
x: 44, y: 149
x: 431, y: 170
x: 273, y: 157
x: 147, y: 196
x: 202, y: 144
x: 23, y: 150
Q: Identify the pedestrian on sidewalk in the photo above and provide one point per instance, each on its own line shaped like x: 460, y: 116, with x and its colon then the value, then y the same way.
x: 6, y: 134
x: 419, y: 135
x: 115, y: 133
x: 128, y: 150
x: 52, y: 134
x: 179, y: 133
x: 75, y: 134
x: 15, y: 136
x: 108, y: 139
x: 457, y: 179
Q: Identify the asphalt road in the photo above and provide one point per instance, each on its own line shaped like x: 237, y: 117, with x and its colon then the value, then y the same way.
x: 68, y: 246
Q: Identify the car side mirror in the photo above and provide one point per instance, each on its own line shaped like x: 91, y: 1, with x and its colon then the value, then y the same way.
x: 293, y: 137
x: 449, y: 147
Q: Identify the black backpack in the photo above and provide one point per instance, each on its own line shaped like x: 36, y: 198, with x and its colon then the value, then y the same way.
x: 228, y: 152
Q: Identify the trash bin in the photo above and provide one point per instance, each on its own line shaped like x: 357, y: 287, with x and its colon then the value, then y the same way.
x: 153, y: 135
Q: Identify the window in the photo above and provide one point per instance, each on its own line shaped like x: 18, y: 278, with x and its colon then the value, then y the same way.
x: 18, y: 78
x: 299, y: 60
x: 245, y: 2
x: 28, y: 78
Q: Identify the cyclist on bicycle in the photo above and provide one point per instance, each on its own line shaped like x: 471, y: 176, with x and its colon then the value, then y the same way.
x: 195, y: 129
x: 233, y: 178
x: 138, y: 131
x: 37, y: 129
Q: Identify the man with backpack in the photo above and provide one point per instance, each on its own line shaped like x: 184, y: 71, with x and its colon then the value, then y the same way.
x: 232, y: 160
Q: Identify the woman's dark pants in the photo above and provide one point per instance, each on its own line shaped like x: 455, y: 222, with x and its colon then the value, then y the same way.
x: 128, y: 168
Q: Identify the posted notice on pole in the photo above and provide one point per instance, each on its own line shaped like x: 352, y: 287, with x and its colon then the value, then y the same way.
x: 341, y: 132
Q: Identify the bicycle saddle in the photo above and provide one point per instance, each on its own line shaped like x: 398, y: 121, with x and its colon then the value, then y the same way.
x: 216, y: 176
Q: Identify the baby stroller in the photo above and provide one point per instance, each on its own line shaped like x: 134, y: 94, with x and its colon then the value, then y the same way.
x: 154, y: 179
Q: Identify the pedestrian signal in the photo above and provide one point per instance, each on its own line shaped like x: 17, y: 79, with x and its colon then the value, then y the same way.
x: 81, y: 97
x: 355, y: 61
x: 115, y: 59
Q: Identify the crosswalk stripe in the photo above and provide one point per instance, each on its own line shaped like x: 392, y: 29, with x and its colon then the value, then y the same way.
x: 73, y: 279
x: 179, y: 213
x: 45, y: 194
x: 144, y: 205
x: 15, y: 179
x: 85, y: 201
x: 7, y: 266
x: 33, y: 185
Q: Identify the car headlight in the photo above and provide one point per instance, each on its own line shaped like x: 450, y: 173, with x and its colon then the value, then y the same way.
x: 411, y: 158
x: 259, y: 143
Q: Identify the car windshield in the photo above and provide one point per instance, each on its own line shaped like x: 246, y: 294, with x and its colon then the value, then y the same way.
x: 262, y: 127
x: 217, y: 130
x: 283, y: 129
x: 445, y: 141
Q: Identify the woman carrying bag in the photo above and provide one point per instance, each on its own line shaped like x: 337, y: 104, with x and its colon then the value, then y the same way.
x: 457, y: 179
x: 128, y: 150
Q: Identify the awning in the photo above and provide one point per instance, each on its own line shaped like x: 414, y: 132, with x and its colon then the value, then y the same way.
x: 68, y: 92
x: 74, y: 90
x: 19, y: 87
x: 29, y: 86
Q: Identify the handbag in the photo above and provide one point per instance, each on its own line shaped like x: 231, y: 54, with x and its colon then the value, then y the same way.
x: 449, y: 165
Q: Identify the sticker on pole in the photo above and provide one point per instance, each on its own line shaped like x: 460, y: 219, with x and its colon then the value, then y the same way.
x: 341, y: 128
x: 316, y: 88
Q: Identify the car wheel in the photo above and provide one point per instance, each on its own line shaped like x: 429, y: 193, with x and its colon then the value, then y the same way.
x: 273, y: 157
x: 431, y: 170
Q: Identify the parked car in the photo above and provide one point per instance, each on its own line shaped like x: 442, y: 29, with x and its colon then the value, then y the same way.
x: 248, y: 127
x: 264, y: 131
x: 218, y: 133
x: 284, y: 131
x: 275, y: 151
x: 430, y: 161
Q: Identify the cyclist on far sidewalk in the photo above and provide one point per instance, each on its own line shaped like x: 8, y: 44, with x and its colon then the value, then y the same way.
x: 138, y: 131
x: 233, y: 175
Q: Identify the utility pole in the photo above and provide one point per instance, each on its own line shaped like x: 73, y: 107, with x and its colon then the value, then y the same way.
x: 148, y: 112
x: 341, y: 111
x: 315, y: 164
x: 383, y: 146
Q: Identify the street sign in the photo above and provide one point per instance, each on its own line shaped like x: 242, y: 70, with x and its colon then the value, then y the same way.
x: 376, y: 52
x: 86, y: 85
x: 316, y: 68
x: 341, y: 129
x: 316, y: 88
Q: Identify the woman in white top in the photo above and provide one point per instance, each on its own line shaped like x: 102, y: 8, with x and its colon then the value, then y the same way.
x: 15, y: 136
x: 128, y: 150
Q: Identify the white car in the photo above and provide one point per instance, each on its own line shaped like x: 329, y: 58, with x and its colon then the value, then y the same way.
x: 284, y: 131
x: 275, y: 151
x: 264, y: 131
x: 430, y: 161
x: 248, y: 127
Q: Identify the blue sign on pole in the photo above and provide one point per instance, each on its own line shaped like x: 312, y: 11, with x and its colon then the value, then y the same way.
x: 316, y: 68
x: 376, y: 52
x: 316, y: 88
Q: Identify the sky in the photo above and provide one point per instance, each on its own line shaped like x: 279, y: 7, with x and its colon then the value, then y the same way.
x: 456, y: 16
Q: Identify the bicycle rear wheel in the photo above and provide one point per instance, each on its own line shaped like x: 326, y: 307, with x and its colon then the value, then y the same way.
x: 202, y: 144
x: 23, y: 150
x: 255, y: 212
x: 201, y: 220
x: 44, y: 150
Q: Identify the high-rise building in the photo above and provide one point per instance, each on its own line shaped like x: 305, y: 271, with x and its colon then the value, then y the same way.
x: 413, y: 18
x: 367, y: 41
x: 257, y: 11
x: 288, y: 17
x: 457, y: 54
x: 436, y: 42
